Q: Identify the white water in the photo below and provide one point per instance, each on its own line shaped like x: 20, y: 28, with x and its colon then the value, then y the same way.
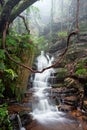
x: 43, y: 109
x: 19, y: 123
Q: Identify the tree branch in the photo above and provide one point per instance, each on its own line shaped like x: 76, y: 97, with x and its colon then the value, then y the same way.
x: 2, y: 3
x: 20, y: 8
x: 81, y: 18
x: 5, y: 14
x: 77, y: 15
x: 23, y: 18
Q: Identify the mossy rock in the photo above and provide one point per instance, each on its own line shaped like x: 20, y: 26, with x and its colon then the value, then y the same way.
x: 81, y: 68
x: 59, y: 85
x: 82, y: 72
x: 62, y: 72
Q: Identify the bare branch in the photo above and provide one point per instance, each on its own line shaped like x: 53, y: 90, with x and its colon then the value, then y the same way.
x: 77, y: 15
x: 23, y: 18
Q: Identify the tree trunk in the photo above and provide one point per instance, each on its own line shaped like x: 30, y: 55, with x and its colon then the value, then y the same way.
x: 11, y: 9
x: 20, y: 9
x: 6, y: 11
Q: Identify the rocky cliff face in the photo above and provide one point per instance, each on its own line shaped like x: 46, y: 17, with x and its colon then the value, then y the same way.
x: 70, y: 77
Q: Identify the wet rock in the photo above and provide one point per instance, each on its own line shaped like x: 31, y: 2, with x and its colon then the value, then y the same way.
x: 85, y: 106
x: 70, y: 100
x: 72, y: 83
x: 16, y: 108
x: 26, y: 118
x: 70, y: 96
x: 57, y: 46
x: 65, y: 108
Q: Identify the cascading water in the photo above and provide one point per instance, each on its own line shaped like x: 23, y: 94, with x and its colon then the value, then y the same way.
x: 42, y: 106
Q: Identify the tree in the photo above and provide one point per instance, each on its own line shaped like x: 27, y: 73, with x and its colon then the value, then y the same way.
x: 10, y: 9
x: 51, y: 20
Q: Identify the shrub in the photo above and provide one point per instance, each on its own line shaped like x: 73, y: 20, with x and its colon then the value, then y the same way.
x: 5, y: 123
x: 62, y: 34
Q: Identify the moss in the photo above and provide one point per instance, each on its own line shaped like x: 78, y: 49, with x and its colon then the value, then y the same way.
x: 62, y: 34
x: 81, y: 67
x: 81, y: 71
x: 62, y: 72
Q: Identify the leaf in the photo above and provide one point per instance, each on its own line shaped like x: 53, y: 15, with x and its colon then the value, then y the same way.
x: 1, y: 95
x: 2, y: 66
x: 2, y: 54
x: 12, y: 73
x: 11, y: 41
x: 12, y: 88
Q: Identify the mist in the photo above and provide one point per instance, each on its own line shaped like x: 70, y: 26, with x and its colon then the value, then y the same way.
x: 49, y: 16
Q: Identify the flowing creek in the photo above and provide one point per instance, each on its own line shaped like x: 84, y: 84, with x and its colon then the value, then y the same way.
x: 42, y: 106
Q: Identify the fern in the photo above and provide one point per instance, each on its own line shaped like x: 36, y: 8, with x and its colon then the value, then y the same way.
x: 11, y: 74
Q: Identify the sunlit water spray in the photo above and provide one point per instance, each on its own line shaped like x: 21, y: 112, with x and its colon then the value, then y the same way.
x: 42, y: 106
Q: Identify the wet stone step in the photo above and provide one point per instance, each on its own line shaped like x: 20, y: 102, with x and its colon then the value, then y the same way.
x: 73, y: 101
x: 63, y: 94
x: 70, y: 98
x: 57, y: 85
x: 27, y: 99
x: 28, y: 94
x: 85, y: 106
x: 65, y: 108
x: 55, y: 80
x: 67, y: 94
x: 52, y: 80
x: 60, y: 92
x: 16, y: 108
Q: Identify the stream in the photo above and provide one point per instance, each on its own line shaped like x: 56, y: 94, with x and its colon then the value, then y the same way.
x: 45, y: 113
x: 43, y: 108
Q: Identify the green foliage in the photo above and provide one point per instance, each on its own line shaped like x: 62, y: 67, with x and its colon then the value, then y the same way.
x: 8, y: 80
x: 11, y: 74
x: 2, y: 54
x: 2, y: 57
x: 62, y: 72
x: 2, y: 88
x: 4, y: 118
x: 81, y: 71
x: 26, y: 42
x: 2, y: 65
x: 81, y: 63
x: 81, y: 67
x: 11, y: 41
x: 62, y: 34
x: 40, y: 42
x: 17, y: 45
x: 21, y: 91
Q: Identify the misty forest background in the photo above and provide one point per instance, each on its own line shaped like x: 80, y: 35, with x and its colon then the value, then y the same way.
x: 26, y: 28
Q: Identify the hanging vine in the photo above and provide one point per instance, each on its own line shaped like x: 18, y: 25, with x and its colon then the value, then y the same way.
x: 26, y: 25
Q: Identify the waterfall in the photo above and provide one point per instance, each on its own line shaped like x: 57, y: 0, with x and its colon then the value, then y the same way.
x: 42, y: 106
x: 19, y: 123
